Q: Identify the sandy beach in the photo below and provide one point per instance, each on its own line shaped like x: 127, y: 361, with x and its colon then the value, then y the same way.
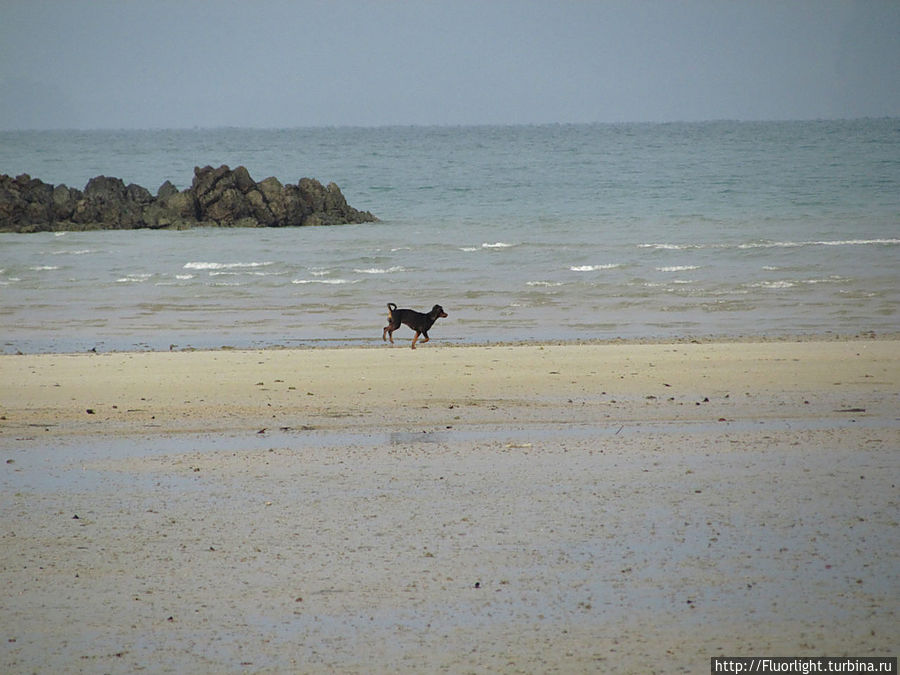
x: 610, y: 507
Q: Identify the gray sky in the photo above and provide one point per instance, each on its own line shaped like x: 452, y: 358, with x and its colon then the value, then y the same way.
x: 269, y: 63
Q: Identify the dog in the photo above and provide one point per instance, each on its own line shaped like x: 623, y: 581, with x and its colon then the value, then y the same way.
x: 416, y: 320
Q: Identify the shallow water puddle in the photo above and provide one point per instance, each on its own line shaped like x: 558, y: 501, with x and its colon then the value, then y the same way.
x: 70, y: 462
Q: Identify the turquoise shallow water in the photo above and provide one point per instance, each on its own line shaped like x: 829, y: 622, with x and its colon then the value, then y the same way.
x: 521, y: 233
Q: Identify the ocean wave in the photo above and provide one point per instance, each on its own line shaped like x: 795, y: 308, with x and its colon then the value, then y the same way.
x: 833, y: 279
x: 835, y: 242
x: 790, y: 283
x: 379, y: 270
x: 594, y: 268
x: 497, y: 244
x: 134, y: 278
x: 42, y: 268
x: 184, y: 277
x: 231, y: 273
x: 678, y: 268
x: 856, y: 242
x: 325, y: 281
x: 224, y: 266
x: 773, y: 284
x: 79, y: 251
x: 544, y: 283
x: 669, y: 247
x: 773, y: 244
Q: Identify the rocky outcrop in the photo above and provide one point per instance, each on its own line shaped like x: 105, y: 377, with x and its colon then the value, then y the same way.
x: 219, y: 197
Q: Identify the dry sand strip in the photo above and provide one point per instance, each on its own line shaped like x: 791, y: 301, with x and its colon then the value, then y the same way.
x: 397, y: 388
x: 590, y: 508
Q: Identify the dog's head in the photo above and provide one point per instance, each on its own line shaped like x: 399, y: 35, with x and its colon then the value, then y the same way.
x: 438, y: 312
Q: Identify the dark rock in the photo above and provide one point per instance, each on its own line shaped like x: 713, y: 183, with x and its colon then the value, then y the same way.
x: 105, y: 189
x: 136, y: 193
x: 217, y: 197
x: 182, y: 205
x: 108, y: 204
x: 64, y: 200
x: 166, y: 190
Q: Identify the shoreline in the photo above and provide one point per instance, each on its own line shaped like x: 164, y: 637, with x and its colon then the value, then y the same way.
x: 516, y: 508
x: 377, y: 343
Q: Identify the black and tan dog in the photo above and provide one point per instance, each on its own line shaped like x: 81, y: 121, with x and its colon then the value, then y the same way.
x: 416, y: 320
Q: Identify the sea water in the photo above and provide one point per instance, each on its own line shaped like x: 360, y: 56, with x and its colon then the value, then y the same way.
x: 522, y: 233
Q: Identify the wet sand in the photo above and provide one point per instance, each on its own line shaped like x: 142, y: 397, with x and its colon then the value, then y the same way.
x: 570, y: 508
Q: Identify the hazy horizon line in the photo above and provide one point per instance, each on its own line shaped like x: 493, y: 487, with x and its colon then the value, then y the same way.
x: 458, y: 125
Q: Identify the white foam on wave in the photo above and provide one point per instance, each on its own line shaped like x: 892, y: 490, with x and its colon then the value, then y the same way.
x: 666, y: 247
x: 134, y: 278
x: 469, y: 249
x: 184, y: 277
x: 773, y: 284
x: 42, y: 268
x: 80, y: 251
x: 678, y: 268
x: 835, y: 242
x: 379, y: 270
x: 497, y: 244
x: 224, y: 266
x: 790, y: 283
x: 325, y: 281
x: 544, y: 283
x: 243, y: 273
x: 856, y: 242
x: 773, y: 244
x: 833, y: 279
x: 594, y: 268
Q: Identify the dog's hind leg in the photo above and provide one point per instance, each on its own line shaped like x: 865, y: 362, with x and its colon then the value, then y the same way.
x: 416, y: 337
